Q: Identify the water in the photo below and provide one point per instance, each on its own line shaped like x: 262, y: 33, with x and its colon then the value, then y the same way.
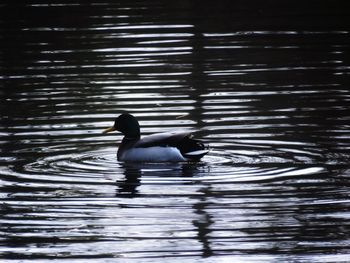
x: 266, y: 85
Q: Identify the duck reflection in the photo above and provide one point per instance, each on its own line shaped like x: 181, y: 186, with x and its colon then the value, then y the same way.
x: 203, y: 222
x: 135, y: 174
x: 129, y: 185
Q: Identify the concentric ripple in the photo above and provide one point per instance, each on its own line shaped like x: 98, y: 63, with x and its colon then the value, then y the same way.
x: 87, y: 164
x: 101, y: 166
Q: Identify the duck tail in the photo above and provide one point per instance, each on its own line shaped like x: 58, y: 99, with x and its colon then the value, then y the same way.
x: 196, y: 155
x: 193, y: 149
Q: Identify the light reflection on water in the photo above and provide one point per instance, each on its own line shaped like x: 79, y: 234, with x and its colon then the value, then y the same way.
x: 271, y: 101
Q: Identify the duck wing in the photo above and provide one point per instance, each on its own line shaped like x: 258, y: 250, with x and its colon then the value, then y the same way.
x: 171, y: 139
x: 190, y: 148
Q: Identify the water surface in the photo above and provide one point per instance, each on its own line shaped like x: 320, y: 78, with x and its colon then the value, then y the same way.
x: 265, y: 85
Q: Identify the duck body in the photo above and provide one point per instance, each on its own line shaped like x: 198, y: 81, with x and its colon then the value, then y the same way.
x: 161, y: 147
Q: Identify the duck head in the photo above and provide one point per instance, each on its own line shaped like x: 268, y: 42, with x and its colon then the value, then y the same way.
x: 127, y: 125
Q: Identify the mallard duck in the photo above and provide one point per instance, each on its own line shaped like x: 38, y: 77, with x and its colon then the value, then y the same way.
x: 160, y: 147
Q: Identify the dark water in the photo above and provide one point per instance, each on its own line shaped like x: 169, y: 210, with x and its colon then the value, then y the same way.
x: 265, y: 82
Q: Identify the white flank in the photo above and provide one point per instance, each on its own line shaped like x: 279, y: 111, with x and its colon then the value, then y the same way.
x: 153, y: 154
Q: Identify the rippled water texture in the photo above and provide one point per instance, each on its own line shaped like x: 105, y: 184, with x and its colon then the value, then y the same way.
x: 266, y: 84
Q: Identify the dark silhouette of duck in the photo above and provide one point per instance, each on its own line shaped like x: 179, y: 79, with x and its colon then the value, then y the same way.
x: 160, y: 147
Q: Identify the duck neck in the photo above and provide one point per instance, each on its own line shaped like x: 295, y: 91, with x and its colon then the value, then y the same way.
x: 131, y: 130
x: 131, y: 138
x: 133, y: 135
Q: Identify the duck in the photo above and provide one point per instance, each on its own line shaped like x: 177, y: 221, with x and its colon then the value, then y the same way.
x: 159, y: 147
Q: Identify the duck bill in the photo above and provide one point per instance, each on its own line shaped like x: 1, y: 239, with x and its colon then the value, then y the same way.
x: 110, y: 129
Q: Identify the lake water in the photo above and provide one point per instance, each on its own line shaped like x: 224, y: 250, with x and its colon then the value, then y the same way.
x: 265, y: 83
